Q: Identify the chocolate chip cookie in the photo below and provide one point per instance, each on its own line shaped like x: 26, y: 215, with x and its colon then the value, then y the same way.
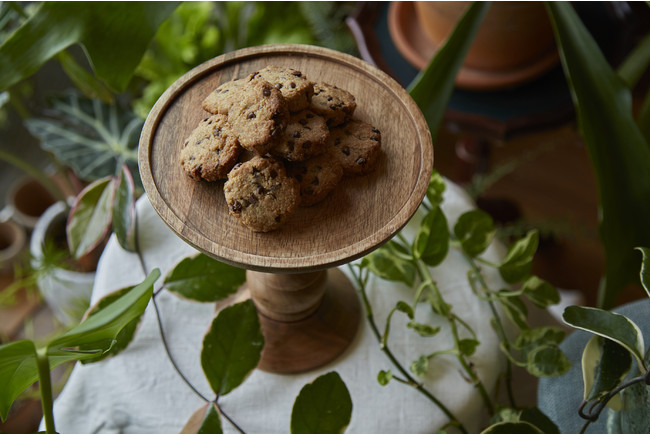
x: 304, y: 137
x: 211, y: 150
x: 317, y: 176
x: 260, y: 194
x: 334, y: 104
x: 259, y: 115
x: 223, y: 97
x: 357, y: 146
x: 295, y: 87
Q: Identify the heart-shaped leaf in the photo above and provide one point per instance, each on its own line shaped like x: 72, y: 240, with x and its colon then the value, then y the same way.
x: 18, y: 371
x: 604, y: 365
x: 432, y: 240
x: 475, y: 231
x: 436, y: 189
x: 387, y: 264
x: 547, y: 361
x: 423, y: 330
x: 323, y: 406
x: 232, y: 347
x: 516, y: 266
x: 541, y: 293
x: 90, y: 217
x: 610, y: 325
x: 205, y: 420
x: 384, y: 377
x: 204, y: 279
x: 123, y: 212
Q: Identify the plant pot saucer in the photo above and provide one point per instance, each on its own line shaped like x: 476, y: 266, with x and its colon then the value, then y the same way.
x: 418, y: 49
x: 357, y: 217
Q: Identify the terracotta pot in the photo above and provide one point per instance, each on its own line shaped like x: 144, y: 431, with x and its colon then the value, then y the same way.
x: 12, y: 243
x: 512, y: 35
x: 27, y: 199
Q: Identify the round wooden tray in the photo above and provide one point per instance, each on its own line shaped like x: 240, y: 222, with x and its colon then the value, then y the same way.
x: 361, y: 214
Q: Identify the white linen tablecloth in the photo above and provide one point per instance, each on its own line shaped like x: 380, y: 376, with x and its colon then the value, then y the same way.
x: 138, y: 391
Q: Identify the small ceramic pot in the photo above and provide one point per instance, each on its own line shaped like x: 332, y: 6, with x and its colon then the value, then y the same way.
x: 66, y: 292
x: 27, y: 199
x: 512, y: 34
x: 12, y: 243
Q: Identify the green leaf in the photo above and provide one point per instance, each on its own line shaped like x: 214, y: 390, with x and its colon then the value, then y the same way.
x: 645, y: 268
x: 114, y: 37
x: 323, y: 406
x: 529, y: 339
x: 405, y: 308
x: 431, y: 243
x: 547, y: 361
x: 90, y: 217
x: 107, y: 323
x: 388, y: 265
x: 541, y: 293
x: 92, y: 138
x: 423, y: 330
x: 18, y: 371
x: 205, y: 420
x: 123, y: 338
x: 420, y: 366
x: 518, y: 261
x: 204, y: 279
x: 475, y: 231
x: 512, y: 428
x: 123, y: 212
x: 384, y: 377
x: 436, y: 189
x: 535, y: 417
x: 617, y: 149
x: 516, y: 310
x: 433, y: 86
x: 610, y: 325
x: 468, y: 346
x: 604, y: 365
x: 232, y: 347
x: 84, y: 80
x: 636, y: 63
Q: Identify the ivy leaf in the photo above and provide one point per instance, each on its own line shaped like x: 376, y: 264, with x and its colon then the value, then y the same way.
x: 475, y: 231
x: 204, y: 279
x: 604, y: 365
x: 468, y: 346
x: 529, y: 339
x: 512, y: 428
x: 535, y: 417
x: 114, y: 36
x: 123, y: 212
x: 645, y: 268
x: 610, y: 325
x: 547, y: 361
x: 92, y: 138
x: 384, y: 377
x: 388, y: 265
x: 518, y: 261
x: 423, y: 330
x: 431, y: 243
x: 205, y: 420
x: 420, y: 366
x: 516, y: 310
x: 123, y: 338
x: 436, y: 189
x: 323, y: 406
x: 90, y: 217
x: 232, y: 347
x: 106, y: 324
x: 541, y: 293
x: 18, y: 371
x: 405, y: 308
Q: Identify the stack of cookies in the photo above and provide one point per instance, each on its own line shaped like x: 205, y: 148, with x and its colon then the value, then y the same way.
x: 301, y: 139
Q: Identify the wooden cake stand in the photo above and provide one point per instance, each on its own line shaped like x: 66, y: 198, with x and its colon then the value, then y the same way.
x: 309, y: 311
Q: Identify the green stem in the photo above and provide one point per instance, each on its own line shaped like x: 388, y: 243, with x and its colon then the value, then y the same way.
x: 45, y: 383
x: 409, y: 379
x: 499, y: 326
x: 34, y: 172
x: 425, y: 275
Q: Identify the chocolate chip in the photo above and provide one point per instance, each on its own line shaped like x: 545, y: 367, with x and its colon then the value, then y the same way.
x: 299, y: 177
x: 361, y: 161
x: 309, y: 115
x: 329, y: 98
x: 277, y: 218
x: 307, y: 144
x: 217, y: 132
x: 276, y: 115
x: 251, y: 115
x: 302, y: 122
x: 278, y: 86
x: 276, y: 132
x: 198, y: 142
x: 236, y: 207
x: 245, y: 203
x: 375, y: 130
x: 273, y: 174
x: 309, y: 191
x: 337, y: 141
x: 375, y: 138
x: 187, y: 142
x: 266, y: 92
x: 333, y: 107
x: 315, y: 181
x: 253, y: 199
x: 296, y: 134
x: 225, y: 90
x: 292, y: 85
x: 296, y: 73
x: 346, y: 150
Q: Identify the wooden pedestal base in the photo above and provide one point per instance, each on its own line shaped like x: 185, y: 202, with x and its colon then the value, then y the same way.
x: 331, y: 313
